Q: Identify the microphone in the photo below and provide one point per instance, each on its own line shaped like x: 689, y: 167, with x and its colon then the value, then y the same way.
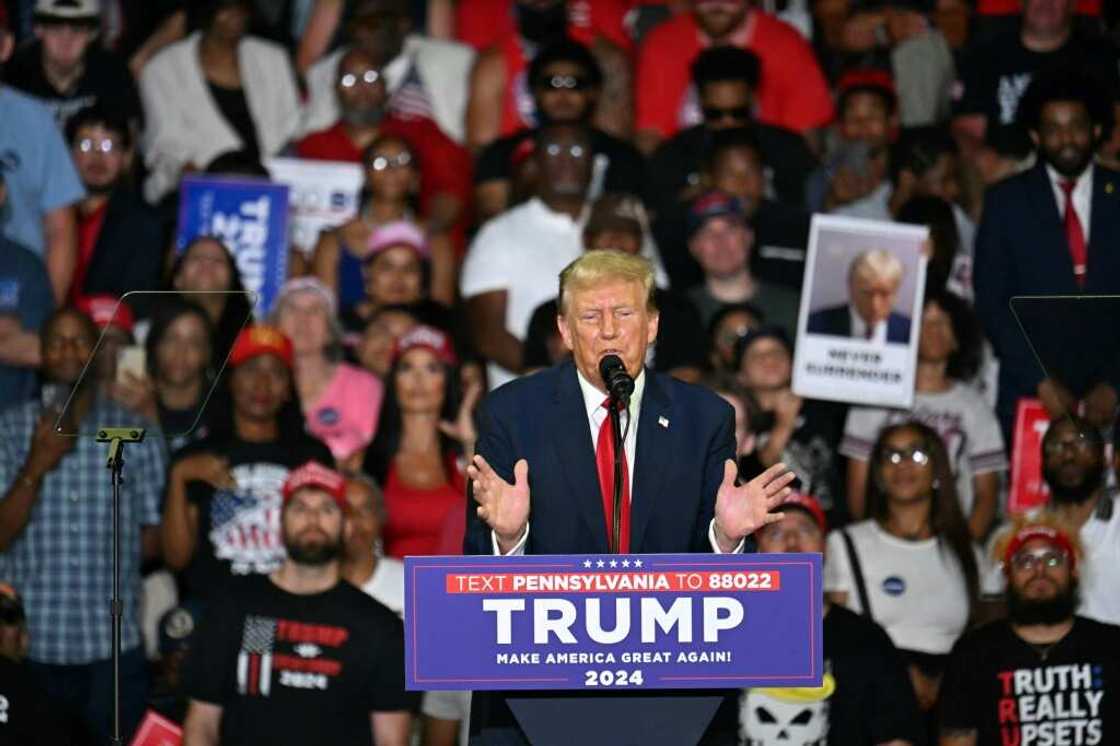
x: 619, y: 383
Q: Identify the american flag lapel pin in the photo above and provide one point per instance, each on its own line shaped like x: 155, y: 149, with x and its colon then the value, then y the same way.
x: 664, y: 422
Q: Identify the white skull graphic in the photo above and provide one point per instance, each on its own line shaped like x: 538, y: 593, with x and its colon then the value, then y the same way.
x: 765, y: 720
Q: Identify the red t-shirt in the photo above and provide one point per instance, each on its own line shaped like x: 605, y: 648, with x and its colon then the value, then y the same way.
x: 417, y: 519
x: 1015, y: 7
x: 89, y: 230
x: 484, y: 23
x: 792, y: 91
x: 445, y: 167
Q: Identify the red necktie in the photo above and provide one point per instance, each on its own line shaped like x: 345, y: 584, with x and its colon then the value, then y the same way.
x: 1075, y: 235
x: 604, y: 461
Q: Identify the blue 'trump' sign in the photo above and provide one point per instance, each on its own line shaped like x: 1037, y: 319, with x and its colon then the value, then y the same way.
x: 613, y: 621
x: 250, y: 216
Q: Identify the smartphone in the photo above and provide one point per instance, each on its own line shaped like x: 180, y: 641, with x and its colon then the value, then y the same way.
x: 131, y: 359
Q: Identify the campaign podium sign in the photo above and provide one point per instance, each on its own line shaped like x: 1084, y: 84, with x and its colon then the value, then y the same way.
x: 1028, y: 489
x: 613, y: 623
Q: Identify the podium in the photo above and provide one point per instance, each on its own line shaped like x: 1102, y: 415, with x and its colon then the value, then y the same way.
x: 611, y: 649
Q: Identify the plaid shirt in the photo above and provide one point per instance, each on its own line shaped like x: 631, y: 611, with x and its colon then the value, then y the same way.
x: 62, y: 561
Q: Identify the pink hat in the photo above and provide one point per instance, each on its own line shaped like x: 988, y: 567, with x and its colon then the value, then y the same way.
x: 398, y: 233
x: 310, y: 285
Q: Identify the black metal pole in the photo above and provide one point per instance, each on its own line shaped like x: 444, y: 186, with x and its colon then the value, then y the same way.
x: 116, y: 464
x: 619, y: 459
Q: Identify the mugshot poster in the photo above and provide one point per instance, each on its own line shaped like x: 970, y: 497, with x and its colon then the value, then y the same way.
x: 861, y: 307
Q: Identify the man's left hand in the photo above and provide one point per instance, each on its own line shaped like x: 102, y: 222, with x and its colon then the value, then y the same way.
x: 743, y: 509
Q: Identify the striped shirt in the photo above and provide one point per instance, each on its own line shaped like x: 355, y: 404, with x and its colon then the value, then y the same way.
x: 62, y: 561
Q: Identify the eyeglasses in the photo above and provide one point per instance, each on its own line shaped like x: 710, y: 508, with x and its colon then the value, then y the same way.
x: 1079, y: 443
x: 89, y: 145
x: 369, y: 77
x: 387, y: 162
x: 1050, y: 559
x: 565, y: 83
x: 896, y: 456
x: 715, y: 114
x: 555, y: 150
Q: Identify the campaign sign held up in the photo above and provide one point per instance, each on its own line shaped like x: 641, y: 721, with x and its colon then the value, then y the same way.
x: 613, y: 622
x: 250, y: 216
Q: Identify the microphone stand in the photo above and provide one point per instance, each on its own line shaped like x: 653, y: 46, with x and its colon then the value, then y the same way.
x: 116, y: 437
x: 615, y: 414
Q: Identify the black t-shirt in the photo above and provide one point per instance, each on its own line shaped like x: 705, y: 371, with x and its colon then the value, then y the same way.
x: 625, y: 166
x: 1010, y: 692
x: 181, y: 427
x: 994, y: 76
x: 680, y: 338
x: 26, y: 713
x: 239, y: 531
x: 234, y: 106
x: 867, y: 698
x: 106, y: 82
x: 297, y: 669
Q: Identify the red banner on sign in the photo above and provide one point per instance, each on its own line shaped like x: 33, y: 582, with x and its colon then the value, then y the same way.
x: 1028, y: 489
x: 156, y: 730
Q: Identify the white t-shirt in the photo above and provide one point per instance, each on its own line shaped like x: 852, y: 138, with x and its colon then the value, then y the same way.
x: 917, y: 589
x: 522, y: 252
x: 386, y: 585
x: 1098, y: 573
x: 450, y: 705
x: 960, y: 416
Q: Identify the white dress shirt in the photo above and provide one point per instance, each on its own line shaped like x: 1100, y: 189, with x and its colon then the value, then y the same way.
x: 593, y: 403
x: 859, y: 327
x: 1082, y: 197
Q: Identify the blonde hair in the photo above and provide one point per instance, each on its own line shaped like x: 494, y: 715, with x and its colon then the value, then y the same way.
x: 599, y: 267
x: 876, y: 263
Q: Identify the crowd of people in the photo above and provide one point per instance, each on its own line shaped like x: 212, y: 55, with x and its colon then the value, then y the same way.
x: 295, y: 456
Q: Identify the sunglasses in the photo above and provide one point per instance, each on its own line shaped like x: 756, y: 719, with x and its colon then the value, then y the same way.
x: 565, y: 83
x: 89, y: 145
x: 896, y: 456
x: 389, y: 162
x: 1050, y: 559
x: 369, y: 77
x: 715, y: 114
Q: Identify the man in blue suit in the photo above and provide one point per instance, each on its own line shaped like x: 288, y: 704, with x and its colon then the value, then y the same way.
x: 874, y: 278
x: 1051, y: 230
x: 538, y: 476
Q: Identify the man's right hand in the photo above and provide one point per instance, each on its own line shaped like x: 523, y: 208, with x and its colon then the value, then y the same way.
x: 205, y: 467
x: 48, y: 447
x: 503, y: 506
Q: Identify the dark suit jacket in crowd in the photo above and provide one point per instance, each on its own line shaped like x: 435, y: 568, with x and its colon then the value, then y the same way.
x: 685, y: 433
x: 130, y: 251
x: 1021, y: 249
x: 837, y: 322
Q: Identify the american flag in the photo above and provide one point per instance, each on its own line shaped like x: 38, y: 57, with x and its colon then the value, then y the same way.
x: 411, y: 100
x: 254, y: 662
x: 226, y: 504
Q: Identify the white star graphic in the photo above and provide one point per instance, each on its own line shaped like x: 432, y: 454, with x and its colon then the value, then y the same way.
x: 587, y: 563
x: 637, y: 563
x: 626, y: 563
x: 614, y: 564
x: 600, y: 563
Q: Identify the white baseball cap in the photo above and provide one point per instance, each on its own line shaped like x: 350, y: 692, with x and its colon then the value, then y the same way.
x: 69, y: 10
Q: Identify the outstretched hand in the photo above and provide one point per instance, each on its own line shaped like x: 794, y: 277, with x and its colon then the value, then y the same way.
x: 743, y: 509
x: 503, y: 506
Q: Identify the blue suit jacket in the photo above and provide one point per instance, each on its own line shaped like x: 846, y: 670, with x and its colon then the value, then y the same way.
x: 677, y: 469
x: 1021, y: 249
x: 838, y: 322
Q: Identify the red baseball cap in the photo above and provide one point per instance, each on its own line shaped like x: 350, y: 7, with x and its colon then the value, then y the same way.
x: 429, y: 338
x: 314, y: 475
x: 107, y: 310
x: 1053, y: 536
x: 810, y: 505
x: 260, y: 339
x: 867, y: 77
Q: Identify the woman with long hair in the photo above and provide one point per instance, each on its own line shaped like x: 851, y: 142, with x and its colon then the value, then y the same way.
x: 911, y: 565
x: 340, y: 401
x: 179, y: 358
x: 425, y: 436
x: 392, y: 182
x: 206, y: 274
